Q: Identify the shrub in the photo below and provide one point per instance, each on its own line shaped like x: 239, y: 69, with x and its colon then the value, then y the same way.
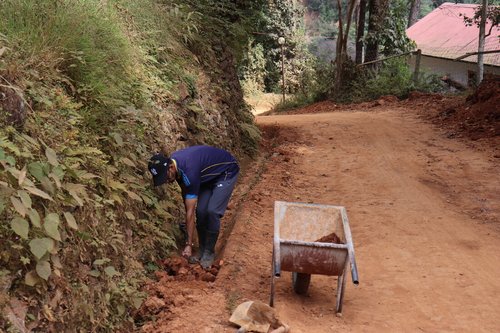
x: 392, y: 77
x: 80, y: 39
x: 79, y: 218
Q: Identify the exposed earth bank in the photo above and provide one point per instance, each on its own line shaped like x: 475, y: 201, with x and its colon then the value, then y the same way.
x: 424, y: 213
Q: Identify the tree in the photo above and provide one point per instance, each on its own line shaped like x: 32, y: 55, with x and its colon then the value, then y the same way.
x: 387, y: 29
x: 360, y: 31
x: 482, y: 28
x: 371, y: 51
x: 279, y: 18
x: 414, y: 12
x: 482, y: 14
x: 343, y: 35
x: 392, y: 37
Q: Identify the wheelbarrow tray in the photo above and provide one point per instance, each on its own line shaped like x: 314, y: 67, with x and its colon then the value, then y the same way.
x: 297, y: 229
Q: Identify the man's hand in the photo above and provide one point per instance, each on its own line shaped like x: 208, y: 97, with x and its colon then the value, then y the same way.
x: 190, y: 205
x: 188, y: 251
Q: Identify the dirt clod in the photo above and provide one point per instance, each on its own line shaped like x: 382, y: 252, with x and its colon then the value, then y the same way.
x: 179, y: 269
x: 208, y: 277
x: 153, y: 305
x: 331, y: 238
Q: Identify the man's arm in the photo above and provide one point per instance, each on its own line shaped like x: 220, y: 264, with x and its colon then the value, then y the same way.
x: 190, y: 205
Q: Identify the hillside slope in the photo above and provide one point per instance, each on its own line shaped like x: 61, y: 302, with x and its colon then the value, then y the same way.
x: 88, y: 91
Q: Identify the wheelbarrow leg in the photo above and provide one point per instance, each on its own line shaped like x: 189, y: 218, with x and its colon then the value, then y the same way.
x: 341, y: 282
x: 271, y: 299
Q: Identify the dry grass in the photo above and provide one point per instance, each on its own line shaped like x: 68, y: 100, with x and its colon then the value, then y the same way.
x: 263, y: 102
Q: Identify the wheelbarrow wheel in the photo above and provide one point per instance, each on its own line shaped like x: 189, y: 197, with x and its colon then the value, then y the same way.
x: 300, y: 282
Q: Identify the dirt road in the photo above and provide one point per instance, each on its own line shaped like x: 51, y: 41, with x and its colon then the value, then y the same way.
x: 424, y: 212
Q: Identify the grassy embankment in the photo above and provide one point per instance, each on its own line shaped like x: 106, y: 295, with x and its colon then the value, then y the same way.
x: 84, y: 85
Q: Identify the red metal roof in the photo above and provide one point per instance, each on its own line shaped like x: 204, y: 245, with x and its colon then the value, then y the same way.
x: 442, y: 33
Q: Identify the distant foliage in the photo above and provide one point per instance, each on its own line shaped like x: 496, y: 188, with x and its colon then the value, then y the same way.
x: 492, y: 17
x: 392, y: 38
x: 253, y: 69
x: 393, y: 77
x: 279, y: 18
x: 323, y: 17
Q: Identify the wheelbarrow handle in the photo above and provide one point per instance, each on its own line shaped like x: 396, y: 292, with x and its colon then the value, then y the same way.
x: 354, y: 268
x: 350, y: 246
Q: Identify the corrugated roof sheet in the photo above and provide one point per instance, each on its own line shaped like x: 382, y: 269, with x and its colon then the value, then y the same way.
x: 442, y: 33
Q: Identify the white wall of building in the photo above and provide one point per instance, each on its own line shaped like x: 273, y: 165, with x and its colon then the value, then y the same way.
x: 456, y: 70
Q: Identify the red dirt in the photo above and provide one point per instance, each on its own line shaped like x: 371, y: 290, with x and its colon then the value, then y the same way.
x: 331, y: 238
x: 424, y: 214
x: 178, y: 268
x: 476, y: 116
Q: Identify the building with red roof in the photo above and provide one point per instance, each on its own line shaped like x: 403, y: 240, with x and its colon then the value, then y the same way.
x: 443, y: 36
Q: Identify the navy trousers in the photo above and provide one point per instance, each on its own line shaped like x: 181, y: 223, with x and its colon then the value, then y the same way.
x: 212, y: 203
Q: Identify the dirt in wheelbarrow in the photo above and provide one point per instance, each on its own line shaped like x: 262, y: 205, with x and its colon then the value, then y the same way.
x: 424, y: 214
x: 330, y: 238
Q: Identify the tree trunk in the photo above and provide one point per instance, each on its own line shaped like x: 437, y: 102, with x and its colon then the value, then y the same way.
x: 482, y: 28
x: 361, y: 31
x: 371, y: 52
x: 350, y: 10
x: 343, y: 35
x: 414, y: 11
x: 338, y: 51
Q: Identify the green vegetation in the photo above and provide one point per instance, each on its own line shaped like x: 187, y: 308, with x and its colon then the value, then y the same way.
x: 359, y: 83
x: 89, y: 89
x: 393, y: 77
x: 260, y: 69
x: 392, y: 39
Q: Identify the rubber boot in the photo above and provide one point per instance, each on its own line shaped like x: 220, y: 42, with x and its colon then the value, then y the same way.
x: 201, y: 244
x: 202, y: 234
x: 208, y: 257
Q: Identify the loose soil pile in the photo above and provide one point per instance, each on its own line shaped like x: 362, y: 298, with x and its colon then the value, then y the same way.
x: 165, y: 293
x: 477, y: 116
x: 331, y: 238
x: 178, y: 268
x: 480, y: 115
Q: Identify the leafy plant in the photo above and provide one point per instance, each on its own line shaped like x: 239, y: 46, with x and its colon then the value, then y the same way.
x: 394, y: 77
x: 492, y: 15
x: 391, y: 36
x: 104, y: 84
x: 253, y: 69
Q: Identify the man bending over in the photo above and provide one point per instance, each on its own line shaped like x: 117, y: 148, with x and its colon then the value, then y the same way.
x: 207, y: 176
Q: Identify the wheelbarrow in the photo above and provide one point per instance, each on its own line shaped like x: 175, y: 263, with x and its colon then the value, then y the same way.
x: 312, y: 239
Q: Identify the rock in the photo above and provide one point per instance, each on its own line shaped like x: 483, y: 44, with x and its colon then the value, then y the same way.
x: 182, y: 271
x: 12, y: 104
x: 255, y: 316
x: 160, y: 275
x: 389, y: 98
x: 207, y: 277
x: 214, y: 271
x: 154, y: 304
x: 166, y: 279
x: 186, y: 291
x: 179, y: 300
